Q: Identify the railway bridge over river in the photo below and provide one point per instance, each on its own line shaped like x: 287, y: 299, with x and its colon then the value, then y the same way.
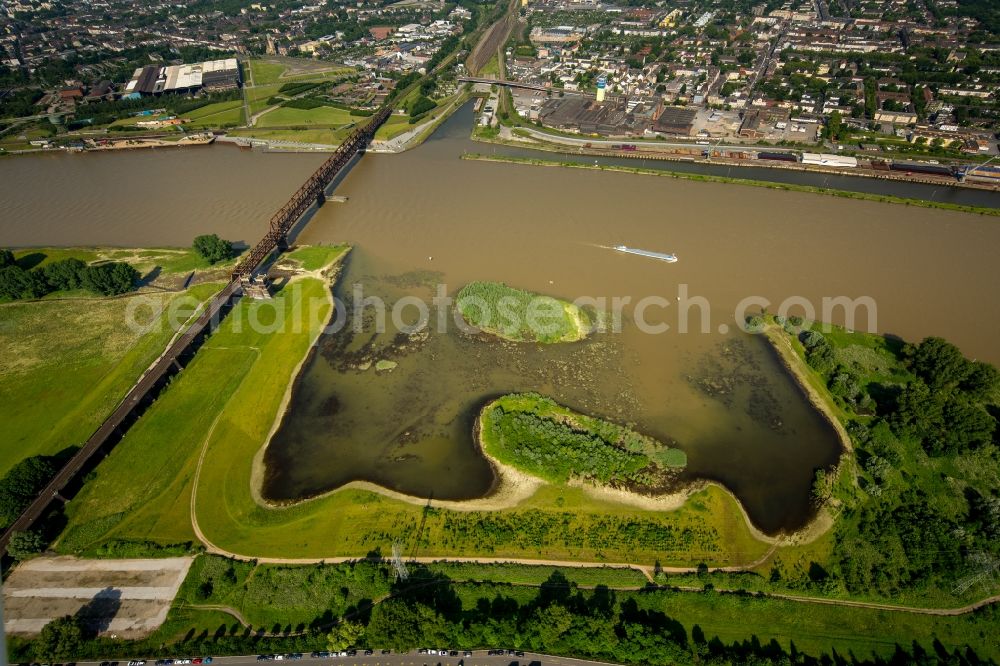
x: 140, y: 396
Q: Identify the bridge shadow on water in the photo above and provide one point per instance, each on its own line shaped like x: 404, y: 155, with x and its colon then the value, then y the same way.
x: 299, y: 226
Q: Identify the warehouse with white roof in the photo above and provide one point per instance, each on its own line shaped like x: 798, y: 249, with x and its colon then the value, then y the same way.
x: 210, y: 75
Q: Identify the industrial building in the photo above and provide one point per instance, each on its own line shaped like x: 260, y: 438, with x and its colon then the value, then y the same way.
x: 676, y: 120
x: 587, y: 116
x: 209, y: 75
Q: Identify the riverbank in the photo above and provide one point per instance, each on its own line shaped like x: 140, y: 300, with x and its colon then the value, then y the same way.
x: 881, y: 198
x: 694, y: 153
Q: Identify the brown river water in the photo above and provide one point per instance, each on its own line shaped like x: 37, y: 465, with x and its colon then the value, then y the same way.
x: 426, y: 218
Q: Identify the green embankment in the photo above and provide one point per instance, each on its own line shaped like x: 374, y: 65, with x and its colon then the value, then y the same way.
x: 316, y: 257
x: 706, y: 178
x: 324, y: 116
x: 69, y: 358
x: 536, y: 435
x: 521, y: 316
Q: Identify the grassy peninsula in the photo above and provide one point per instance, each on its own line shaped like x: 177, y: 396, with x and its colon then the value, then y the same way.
x: 521, y: 316
x: 545, y: 439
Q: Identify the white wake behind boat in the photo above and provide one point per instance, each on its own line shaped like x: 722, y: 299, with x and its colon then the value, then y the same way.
x: 662, y: 256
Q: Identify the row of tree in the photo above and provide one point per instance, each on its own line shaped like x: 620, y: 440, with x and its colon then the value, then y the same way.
x: 558, y: 619
x: 107, y: 279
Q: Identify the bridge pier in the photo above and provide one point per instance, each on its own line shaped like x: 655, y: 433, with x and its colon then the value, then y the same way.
x: 320, y: 198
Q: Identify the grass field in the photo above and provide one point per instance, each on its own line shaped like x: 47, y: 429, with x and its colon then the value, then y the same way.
x: 69, y: 362
x: 169, y: 261
x: 322, y: 136
x: 71, y: 357
x: 393, y: 127
x: 315, y: 257
x: 267, y: 72
x: 326, y: 116
x: 220, y: 114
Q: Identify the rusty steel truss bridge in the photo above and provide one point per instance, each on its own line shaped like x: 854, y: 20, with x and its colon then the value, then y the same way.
x: 185, y: 344
x: 312, y: 191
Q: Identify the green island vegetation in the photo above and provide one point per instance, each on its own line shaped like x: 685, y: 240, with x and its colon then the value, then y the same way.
x: 228, y: 606
x: 521, y: 316
x: 534, y: 434
x: 70, y: 357
x: 707, y: 178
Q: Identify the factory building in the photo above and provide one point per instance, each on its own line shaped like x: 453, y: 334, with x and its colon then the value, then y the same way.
x: 675, y: 120
x: 210, y: 75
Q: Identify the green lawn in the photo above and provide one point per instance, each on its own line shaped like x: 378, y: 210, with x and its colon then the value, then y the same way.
x: 393, y: 127
x: 816, y: 628
x: 220, y: 114
x: 315, y: 257
x: 322, y: 115
x: 69, y: 362
x: 258, y: 95
x: 321, y: 136
x: 267, y: 72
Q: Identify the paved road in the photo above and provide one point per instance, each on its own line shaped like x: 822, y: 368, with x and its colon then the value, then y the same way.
x: 411, y: 658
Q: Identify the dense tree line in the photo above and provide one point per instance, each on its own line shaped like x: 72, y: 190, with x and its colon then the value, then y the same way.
x: 107, y: 279
x: 557, y: 618
x: 20, y: 486
x: 562, y: 620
